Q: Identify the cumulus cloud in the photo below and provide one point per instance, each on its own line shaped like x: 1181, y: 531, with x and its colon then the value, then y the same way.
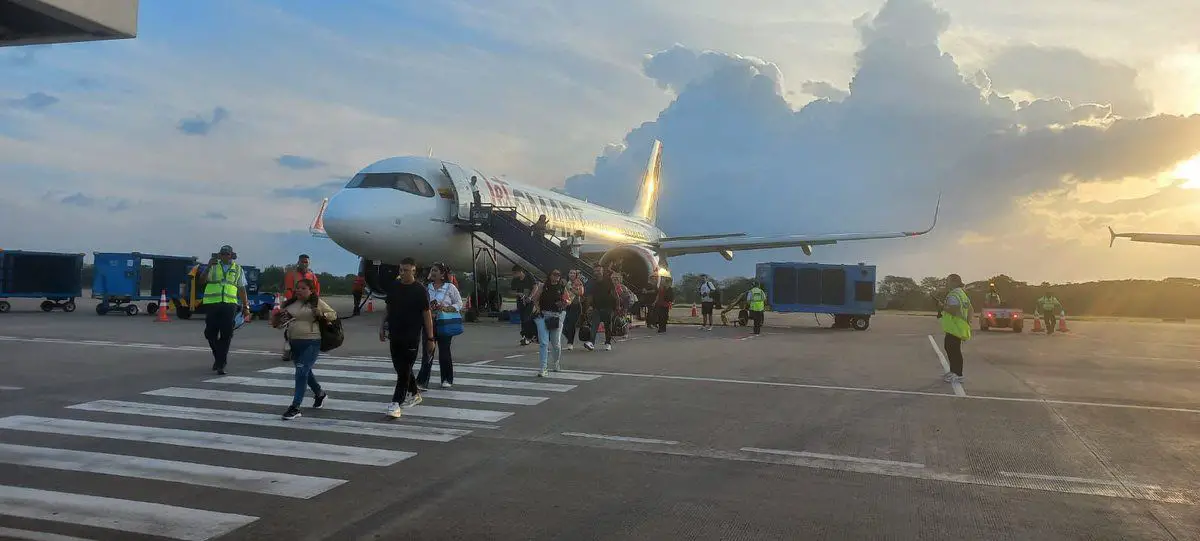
x: 823, y: 90
x: 78, y: 199
x: 300, y: 163
x: 1069, y: 74
x: 36, y: 101
x: 200, y: 125
x: 911, y: 126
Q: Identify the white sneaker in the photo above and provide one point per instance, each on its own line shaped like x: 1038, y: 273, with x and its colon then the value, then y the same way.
x: 589, y: 346
x: 411, y: 401
x: 958, y: 379
x: 393, y: 411
x: 570, y: 347
x: 446, y: 385
x: 947, y: 377
x: 607, y: 347
x: 542, y: 374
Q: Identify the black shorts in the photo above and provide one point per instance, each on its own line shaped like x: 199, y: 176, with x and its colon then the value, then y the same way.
x: 706, y: 308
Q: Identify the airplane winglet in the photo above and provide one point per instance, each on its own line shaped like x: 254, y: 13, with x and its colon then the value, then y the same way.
x: 1112, y: 236
x: 317, y: 228
x: 936, y: 209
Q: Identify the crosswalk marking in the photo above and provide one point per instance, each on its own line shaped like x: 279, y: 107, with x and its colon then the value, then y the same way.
x: 457, y: 414
x: 391, y: 377
x: 207, y: 440
x: 36, y: 536
x: 116, y: 514
x: 385, y: 430
x: 467, y: 369
x: 467, y: 396
x: 278, y: 484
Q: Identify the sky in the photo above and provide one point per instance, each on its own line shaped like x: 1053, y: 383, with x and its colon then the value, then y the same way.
x: 226, y: 122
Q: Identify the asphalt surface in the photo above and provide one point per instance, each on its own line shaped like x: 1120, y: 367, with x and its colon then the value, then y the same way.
x: 801, y: 433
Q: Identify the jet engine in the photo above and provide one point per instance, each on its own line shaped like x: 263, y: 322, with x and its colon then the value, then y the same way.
x: 639, y: 266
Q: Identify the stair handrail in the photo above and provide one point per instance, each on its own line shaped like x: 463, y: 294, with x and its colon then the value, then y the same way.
x: 557, y: 239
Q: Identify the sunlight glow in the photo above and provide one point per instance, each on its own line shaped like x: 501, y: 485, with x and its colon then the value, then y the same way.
x: 1190, y: 172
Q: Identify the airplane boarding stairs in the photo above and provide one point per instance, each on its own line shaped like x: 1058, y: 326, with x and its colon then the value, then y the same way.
x: 506, y: 227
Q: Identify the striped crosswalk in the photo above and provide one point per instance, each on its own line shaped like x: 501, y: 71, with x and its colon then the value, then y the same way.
x: 218, y: 418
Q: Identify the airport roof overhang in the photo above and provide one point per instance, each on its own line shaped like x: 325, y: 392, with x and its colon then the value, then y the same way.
x: 39, y: 22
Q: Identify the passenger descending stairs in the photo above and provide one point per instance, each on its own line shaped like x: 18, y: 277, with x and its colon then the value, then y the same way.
x: 506, y: 227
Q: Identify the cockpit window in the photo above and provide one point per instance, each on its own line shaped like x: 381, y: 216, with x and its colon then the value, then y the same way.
x: 405, y: 182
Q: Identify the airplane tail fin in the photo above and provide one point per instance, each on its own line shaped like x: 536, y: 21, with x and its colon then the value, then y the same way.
x: 317, y: 229
x: 646, y: 207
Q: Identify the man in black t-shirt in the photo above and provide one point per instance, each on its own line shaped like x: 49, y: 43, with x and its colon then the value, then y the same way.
x: 602, y: 298
x: 522, y: 286
x: 407, y: 320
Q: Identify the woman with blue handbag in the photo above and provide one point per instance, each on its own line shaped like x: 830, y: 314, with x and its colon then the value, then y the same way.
x: 446, y: 303
x: 550, y: 302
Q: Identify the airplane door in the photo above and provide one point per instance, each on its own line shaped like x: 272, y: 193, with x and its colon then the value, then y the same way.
x: 461, y: 181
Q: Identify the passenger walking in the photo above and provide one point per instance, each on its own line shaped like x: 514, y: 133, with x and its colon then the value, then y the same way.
x: 522, y: 286
x: 602, y: 299
x: 224, y: 286
x: 408, y: 319
x: 955, y: 314
x: 664, y: 298
x: 446, y: 303
x: 550, y: 304
x: 301, y: 316
x: 574, y: 307
x: 707, y: 289
x: 302, y: 271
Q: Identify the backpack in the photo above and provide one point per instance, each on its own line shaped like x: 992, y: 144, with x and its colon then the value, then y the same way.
x: 332, y: 334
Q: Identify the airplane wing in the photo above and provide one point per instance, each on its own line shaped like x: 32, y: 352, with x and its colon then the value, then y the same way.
x: 727, y: 244
x: 317, y: 229
x: 1160, y: 238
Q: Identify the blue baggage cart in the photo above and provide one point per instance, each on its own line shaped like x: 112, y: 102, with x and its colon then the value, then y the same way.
x: 119, y: 280
x: 846, y: 292
x: 56, y: 277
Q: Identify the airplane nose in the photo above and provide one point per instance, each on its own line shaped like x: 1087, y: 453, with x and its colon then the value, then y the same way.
x: 368, y: 221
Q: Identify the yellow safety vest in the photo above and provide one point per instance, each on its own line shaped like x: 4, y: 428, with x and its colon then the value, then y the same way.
x: 953, y: 321
x: 222, y: 286
x: 758, y: 300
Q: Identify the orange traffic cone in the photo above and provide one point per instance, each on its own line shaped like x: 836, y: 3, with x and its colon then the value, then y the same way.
x: 693, y: 309
x: 162, y: 308
x: 1062, y: 323
x: 1037, y: 323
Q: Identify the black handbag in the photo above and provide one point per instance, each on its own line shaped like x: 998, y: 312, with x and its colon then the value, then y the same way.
x: 332, y: 334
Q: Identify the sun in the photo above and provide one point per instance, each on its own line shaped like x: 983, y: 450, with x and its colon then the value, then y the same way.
x: 1189, y: 172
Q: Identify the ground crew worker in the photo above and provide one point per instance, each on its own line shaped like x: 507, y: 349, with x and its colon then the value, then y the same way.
x: 756, y: 300
x: 360, y: 285
x: 992, y: 299
x: 955, y: 314
x: 301, y: 272
x: 224, y: 286
x: 1049, y: 308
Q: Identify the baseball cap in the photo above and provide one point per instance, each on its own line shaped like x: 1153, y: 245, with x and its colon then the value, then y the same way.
x: 226, y: 249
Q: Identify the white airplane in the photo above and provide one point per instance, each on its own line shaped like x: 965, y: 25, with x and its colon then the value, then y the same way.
x: 1160, y: 238
x: 413, y: 206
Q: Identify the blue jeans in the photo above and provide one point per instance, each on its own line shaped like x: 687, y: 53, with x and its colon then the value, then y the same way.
x: 550, y: 340
x: 304, y: 355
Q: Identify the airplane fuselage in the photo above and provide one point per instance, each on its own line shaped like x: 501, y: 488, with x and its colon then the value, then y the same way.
x: 408, y: 207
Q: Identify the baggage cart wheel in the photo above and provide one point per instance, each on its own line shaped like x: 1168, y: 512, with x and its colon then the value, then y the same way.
x: 47, y: 306
x: 102, y: 308
x: 5, y: 307
x: 69, y: 306
x: 152, y: 308
x: 860, y: 323
x: 131, y: 310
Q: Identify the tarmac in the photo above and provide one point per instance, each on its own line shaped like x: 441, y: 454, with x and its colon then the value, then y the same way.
x: 114, y: 427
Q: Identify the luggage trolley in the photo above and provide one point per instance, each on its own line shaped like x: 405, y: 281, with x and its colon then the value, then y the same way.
x: 846, y: 292
x: 56, y: 277
x: 118, y: 280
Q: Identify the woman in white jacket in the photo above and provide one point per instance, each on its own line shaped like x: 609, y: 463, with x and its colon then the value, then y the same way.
x: 444, y: 299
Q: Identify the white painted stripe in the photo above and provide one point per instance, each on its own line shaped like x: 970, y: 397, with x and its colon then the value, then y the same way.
x: 619, y: 438
x: 37, y: 536
x: 466, y: 396
x: 342, y: 426
x: 893, y: 391
x: 278, y: 484
x: 514, y: 356
x: 845, y: 458
x: 456, y: 414
x: 467, y: 369
x: 391, y: 377
x: 9, y: 388
x: 207, y: 440
x: 121, y: 515
x: 481, y: 363
x: 957, y: 385
x: 1066, y: 479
